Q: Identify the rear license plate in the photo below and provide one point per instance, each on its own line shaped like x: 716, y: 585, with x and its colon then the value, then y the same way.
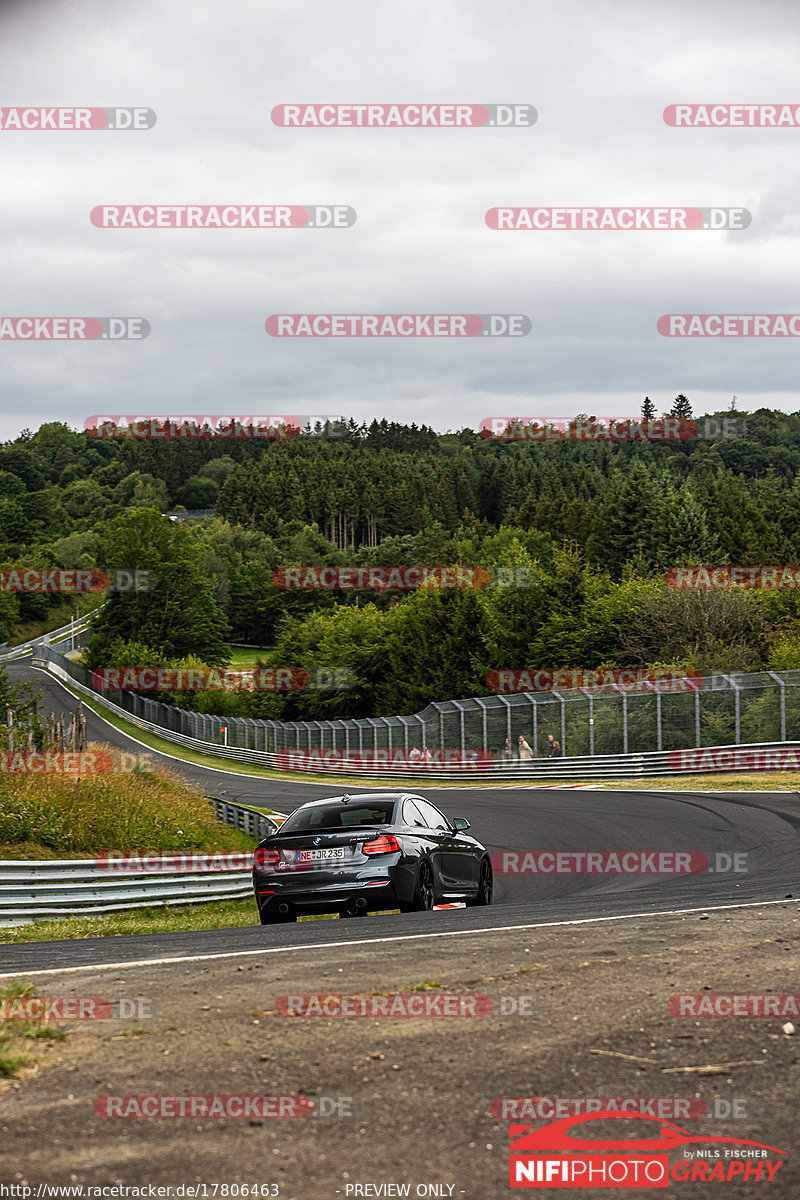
x: 307, y: 856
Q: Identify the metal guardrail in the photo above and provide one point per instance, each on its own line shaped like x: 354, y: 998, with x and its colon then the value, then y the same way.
x: 46, y: 639
x: 51, y: 888
x: 781, y: 714
x: 251, y: 821
x: 588, y: 767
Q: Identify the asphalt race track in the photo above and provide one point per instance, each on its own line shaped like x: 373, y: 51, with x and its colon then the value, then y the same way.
x: 761, y: 827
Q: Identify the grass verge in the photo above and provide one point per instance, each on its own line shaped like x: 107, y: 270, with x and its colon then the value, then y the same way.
x: 187, y: 918
x: 16, y: 1035
x: 83, y: 815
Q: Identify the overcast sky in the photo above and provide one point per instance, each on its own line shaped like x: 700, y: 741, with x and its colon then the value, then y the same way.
x: 598, y: 73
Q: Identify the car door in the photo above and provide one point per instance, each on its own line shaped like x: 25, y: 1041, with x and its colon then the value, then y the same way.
x: 457, y: 854
x: 431, y: 838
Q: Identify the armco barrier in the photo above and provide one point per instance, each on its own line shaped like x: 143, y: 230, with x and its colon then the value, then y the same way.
x: 676, y: 723
x: 46, y: 639
x: 32, y: 891
x: 251, y: 821
x: 48, y: 889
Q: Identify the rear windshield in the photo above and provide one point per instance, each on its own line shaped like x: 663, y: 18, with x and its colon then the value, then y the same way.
x: 339, y: 816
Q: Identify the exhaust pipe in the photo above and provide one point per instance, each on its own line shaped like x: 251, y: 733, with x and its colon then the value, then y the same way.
x: 356, y: 907
x: 283, y: 909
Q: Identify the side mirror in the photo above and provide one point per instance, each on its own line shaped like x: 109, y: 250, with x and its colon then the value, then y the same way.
x: 460, y: 823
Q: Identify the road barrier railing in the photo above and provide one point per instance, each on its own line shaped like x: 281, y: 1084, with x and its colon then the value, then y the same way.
x: 602, y: 736
x: 49, y: 889
x: 46, y: 639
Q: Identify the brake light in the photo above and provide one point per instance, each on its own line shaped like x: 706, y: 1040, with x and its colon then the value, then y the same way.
x: 264, y: 858
x: 386, y: 843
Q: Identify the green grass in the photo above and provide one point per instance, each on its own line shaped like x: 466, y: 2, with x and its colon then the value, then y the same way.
x: 56, y: 617
x: 16, y: 1035
x: 186, y: 918
x: 85, y: 815
x: 221, y: 914
x: 243, y: 656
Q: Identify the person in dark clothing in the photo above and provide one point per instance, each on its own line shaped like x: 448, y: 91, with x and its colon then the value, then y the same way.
x: 553, y: 747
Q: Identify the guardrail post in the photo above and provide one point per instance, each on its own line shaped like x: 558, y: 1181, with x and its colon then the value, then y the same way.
x: 782, y: 686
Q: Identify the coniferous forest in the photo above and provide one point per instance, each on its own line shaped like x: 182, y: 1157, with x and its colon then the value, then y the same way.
x: 591, y: 526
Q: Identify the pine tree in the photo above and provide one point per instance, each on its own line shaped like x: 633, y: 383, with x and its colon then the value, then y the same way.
x: 648, y: 409
x: 681, y: 408
x: 686, y: 537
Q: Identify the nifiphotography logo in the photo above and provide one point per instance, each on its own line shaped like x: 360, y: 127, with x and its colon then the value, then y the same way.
x: 558, y: 1156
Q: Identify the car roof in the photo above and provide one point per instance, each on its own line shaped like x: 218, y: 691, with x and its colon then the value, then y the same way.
x: 365, y: 797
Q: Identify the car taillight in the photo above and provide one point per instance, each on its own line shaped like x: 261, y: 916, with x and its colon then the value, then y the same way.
x: 264, y: 858
x: 386, y: 843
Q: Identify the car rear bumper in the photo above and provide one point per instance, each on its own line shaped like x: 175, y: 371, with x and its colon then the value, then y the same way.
x: 377, y: 893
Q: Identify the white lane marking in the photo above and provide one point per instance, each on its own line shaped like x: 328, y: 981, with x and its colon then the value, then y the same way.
x: 405, y: 937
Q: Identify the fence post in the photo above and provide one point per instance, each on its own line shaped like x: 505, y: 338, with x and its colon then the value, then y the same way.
x: 558, y: 696
x: 782, y: 686
x: 10, y: 724
x: 590, y: 698
x: 736, y: 691
x: 658, y: 712
x: 482, y: 705
x: 624, y: 695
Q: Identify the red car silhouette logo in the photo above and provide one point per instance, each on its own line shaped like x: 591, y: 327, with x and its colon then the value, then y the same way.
x: 556, y: 1136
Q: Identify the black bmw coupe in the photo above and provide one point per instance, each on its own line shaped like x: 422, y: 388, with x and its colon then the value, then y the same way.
x: 359, y: 854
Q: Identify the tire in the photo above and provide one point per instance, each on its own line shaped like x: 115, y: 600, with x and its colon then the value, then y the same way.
x: 424, y: 895
x: 485, y: 886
